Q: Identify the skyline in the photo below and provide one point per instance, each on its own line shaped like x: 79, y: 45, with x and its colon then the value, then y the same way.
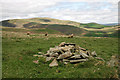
x: 103, y: 12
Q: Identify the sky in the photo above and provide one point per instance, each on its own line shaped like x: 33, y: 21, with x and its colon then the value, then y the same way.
x: 83, y: 11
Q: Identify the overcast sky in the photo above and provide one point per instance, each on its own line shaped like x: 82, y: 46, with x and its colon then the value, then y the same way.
x: 83, y: 11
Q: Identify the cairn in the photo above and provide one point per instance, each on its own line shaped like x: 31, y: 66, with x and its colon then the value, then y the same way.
x: 67, y: 53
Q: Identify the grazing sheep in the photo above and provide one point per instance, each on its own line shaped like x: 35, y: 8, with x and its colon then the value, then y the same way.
x: 46, y: 34
x: 70, y: 36
x: 28, y: 33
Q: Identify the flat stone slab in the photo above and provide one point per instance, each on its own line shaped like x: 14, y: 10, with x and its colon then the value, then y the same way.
x: 54, y: 55
x: 53, y: 63
x: 49, y: 58
x: 40, y: 53
x: 75, y: 57
x: 66, y: 60
x: 94, y: 54
x: 80, y: 60
x: 65, y: 55
x: 67, y: 44
x: 84, y: 55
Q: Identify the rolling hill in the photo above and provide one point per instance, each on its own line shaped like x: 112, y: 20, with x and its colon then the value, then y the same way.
x: 94, y: 25
x: 48, y: 25
x: 63, y: 27
x: 111, y: 24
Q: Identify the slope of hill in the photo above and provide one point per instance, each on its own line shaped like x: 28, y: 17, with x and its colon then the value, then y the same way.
x: 21, y: 22
x: 61, y: 26
x: 111, y: 24
x: 94, y: 25
x: 18, y: 50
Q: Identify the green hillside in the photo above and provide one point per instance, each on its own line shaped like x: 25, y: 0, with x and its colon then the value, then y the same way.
x: 18, y: 50
x: 21, y: 22
x: 94, y: 25
x: 55, y: 26
x: 34, y: 30
x: 61, y: 26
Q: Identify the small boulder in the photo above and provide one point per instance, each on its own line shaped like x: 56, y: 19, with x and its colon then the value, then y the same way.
x: 36, y: 61
x: 75, y: 57
x: 35, y: 55
x: 54, y: 55
x: 94, y: 54
x: 84, y: 55
x: 65, y: 60
x: 65, y: 55
x: 53, y: 63
x: 76, y: 61
x: 40, y: 53
x: 65, y: 63
x: 62, y: 44
x: 49, y: 58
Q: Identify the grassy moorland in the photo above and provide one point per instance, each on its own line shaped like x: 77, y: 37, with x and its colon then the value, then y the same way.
x: 63, y: 26
x: 94, y: 25
x: 18, y: 50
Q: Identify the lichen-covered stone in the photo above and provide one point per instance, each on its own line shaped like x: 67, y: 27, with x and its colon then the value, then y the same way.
x: 94, y: 54
x: 84, y: 55
x: 53, y: 63
x: 49, y: 58
x: 76, y: 61
x: 65, y: 55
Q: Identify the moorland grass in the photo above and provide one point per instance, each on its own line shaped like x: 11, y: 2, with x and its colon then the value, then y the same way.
x: 17, y: 57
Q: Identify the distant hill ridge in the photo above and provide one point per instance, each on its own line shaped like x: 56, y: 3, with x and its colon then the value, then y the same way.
x: 62, y: 26
x: 21, y: 22
x: 56, y: 25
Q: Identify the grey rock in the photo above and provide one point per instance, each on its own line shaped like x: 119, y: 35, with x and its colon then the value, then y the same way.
x: 65, y: 63
x: 54, y: 55
x: 84, y: 55
x: 72, y: 44
x: 66, y: 48
x: 80, y: 60
x: 40, y: 53
x: 94, y: 54
x: 53, y: 63
x: 75, y: 57
x: 82, y: 49
x: 66, y: 60
x: 35, y: 55
x: 62, y: 44
x: 100, y: 58
x: 61, y: 52
x: 65, y: 55
x: 47, y: 54
x: 49, y: 58
x: 54, y: 49
x: 88, y: 53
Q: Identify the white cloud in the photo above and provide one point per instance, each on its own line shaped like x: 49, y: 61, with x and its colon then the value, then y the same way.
x: 16, y: 8
x: 104, y: 15
x: 35, y: 8
x: 113, y: 1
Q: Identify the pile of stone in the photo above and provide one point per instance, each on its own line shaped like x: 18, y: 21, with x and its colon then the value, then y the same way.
x: 67, y: 53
